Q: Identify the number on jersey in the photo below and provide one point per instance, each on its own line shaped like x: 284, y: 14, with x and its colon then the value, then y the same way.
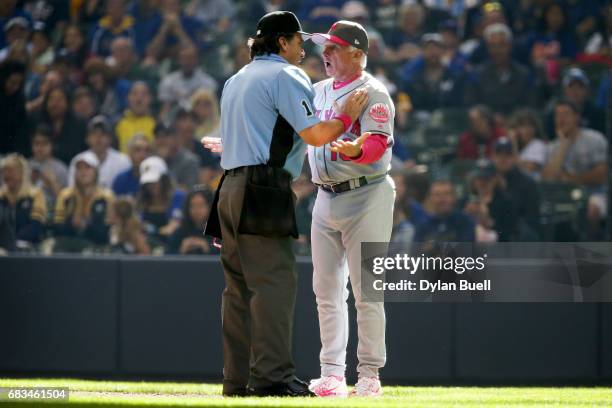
x: 334, y: 155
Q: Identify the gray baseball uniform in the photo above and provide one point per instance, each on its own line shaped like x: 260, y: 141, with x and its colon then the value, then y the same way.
x: 342, y: 221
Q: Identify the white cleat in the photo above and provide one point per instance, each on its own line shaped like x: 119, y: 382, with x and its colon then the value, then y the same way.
x: 329, y: 386
x: 367, y: 387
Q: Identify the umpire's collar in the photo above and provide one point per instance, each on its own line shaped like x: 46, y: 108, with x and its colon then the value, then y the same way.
x: 271, y: 57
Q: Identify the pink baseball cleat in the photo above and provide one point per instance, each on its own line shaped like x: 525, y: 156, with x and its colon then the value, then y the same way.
x: 367, y: 387
x: 329, y: 386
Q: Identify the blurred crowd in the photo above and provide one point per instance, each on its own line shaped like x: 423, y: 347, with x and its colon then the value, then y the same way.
x: 499, y: 134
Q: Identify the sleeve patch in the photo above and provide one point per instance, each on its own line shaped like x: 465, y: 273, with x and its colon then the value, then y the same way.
x: 307, y: 108
x: 379, y: 113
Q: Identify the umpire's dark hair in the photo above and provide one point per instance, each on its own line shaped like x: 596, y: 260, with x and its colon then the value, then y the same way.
x: 268, y: 44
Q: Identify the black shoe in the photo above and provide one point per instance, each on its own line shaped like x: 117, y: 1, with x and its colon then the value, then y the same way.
x: 230, y: 390
x: 238, y: 393
x: 296, y: 388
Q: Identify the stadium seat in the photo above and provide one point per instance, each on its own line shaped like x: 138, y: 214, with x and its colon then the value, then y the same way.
x: 561, y: 203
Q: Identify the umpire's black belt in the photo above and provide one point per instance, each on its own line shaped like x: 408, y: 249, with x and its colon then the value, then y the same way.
x: 237, y: 170
x: 263, y: 174
x: 349, y: 185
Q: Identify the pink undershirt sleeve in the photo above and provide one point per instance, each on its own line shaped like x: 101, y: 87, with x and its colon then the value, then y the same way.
x: 372, y: 149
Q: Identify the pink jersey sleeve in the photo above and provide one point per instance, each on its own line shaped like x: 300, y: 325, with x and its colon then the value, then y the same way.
x: 372, y: 149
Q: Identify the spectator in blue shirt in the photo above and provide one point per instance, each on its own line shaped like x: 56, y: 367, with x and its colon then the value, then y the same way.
x: 447, y: 223
x: 582, y: 16
x: 147, y: 16
x: 318, y: 15
x: 159, y: 202
x: 213, y: 13
x: 428, y: 82
x: 405, y: 43
x: 453, y: 57
x: 116, y: 23
x: 553, y: 44
x: 128, y: 181
x: 173, y: 30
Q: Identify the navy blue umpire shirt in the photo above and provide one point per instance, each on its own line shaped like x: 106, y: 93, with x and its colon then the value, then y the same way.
x: 263, y: 108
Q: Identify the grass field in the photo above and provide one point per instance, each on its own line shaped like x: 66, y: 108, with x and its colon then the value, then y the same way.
x: 85, y: 393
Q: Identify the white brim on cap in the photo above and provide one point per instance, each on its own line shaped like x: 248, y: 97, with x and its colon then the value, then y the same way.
x: 320, y: 38
x: 305, y: 36
x: 150, y: 176
x: 87, y: 157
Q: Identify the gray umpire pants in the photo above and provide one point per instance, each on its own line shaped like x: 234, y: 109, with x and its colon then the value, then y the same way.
x: 258, y: 301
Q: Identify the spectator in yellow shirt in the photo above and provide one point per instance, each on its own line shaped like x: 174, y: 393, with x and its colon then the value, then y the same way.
x: 137, y: 117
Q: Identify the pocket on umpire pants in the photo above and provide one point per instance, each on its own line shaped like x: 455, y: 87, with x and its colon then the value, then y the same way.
x: 213, y: 226
x: 268, y: 208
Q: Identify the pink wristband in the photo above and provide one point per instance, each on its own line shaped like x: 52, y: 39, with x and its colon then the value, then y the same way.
x: 345, y: 119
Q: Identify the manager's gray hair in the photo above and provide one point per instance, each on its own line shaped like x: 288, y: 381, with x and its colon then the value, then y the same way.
x: 363, y: 62
x: 498, y: 28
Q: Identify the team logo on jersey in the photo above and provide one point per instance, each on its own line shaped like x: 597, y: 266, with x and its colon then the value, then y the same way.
x: 379, y: 113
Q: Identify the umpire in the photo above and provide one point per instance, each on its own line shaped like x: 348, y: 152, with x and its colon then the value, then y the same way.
x: 267, y: 117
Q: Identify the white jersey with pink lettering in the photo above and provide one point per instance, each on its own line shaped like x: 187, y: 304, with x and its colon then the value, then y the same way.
x: 328, y: 167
